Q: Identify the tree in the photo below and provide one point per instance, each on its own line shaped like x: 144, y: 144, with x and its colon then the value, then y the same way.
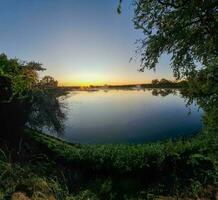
x: 154, y: 81
x: 164, y: 81
x: 48, y: 82
x: 186, y: 30
x: 23, y: 76
x: 23, y: 100
x: 5, y: 88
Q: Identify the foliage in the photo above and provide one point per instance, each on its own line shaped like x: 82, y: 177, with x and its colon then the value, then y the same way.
x: 155, y: 81
x: 26, y: 181
x: 164, y: 81
x: 168, y: 163
x: 163, y: 92
x: 48, y: 82
x: 165, y: 85
x: 22, y: 75
x: 27, y: 97
x: 186, y: 30
x: 76, y: 172
x: 46, y: 111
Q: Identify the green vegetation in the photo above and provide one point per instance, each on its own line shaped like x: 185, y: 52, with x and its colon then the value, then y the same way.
x: 186, y: 30
x: 164, y: 83
x: 25, y: 99
x: 73, y: 171
x: 127, y: 159
x: 40, y: 167
x: 36, y: 178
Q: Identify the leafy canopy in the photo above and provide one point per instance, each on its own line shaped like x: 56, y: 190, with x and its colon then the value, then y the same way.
x: 23, y: 76
x: 23, y: 94
x: 186, y: 30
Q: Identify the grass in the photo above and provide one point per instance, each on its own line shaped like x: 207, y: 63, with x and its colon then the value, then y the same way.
x: 123, y: 158
x: 50, y: 168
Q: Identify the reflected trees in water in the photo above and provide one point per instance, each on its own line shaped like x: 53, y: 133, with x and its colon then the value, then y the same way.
x: 25, y: 99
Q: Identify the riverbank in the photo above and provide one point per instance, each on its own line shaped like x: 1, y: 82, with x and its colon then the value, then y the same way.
x: 124, y: 158
x: 50, y: 166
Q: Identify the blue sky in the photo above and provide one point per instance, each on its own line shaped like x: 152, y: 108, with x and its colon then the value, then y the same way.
x: 80, y: 42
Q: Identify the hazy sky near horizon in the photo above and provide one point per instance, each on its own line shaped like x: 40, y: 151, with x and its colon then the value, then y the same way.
x: 80, y: 42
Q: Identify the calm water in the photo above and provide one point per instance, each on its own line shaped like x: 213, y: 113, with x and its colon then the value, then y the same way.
x: 127, y: 116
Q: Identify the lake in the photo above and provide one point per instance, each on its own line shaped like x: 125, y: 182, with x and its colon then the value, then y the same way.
x: 128, y: 116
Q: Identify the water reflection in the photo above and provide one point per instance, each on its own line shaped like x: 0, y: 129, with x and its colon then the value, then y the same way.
x: 128, y: 116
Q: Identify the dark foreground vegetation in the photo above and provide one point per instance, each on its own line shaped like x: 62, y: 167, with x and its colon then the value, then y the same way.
x: 49, y: 168
x: 39, y: 167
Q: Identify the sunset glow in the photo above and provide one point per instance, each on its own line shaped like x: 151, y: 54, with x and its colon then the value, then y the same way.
x: 92, y: 48
x: 97, y: 80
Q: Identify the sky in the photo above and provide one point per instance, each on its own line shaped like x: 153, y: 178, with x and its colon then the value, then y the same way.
x: 79, y: 42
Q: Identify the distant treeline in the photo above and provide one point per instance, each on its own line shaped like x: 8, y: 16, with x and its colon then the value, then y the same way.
x: 162, y: 83
x: 167, y: 83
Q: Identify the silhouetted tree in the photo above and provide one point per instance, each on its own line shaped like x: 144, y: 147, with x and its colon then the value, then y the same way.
x: 24, y: 99
x: 164, y: 81
x: 155, y: 81
x: 185, y: 30
x: 48, y: 82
